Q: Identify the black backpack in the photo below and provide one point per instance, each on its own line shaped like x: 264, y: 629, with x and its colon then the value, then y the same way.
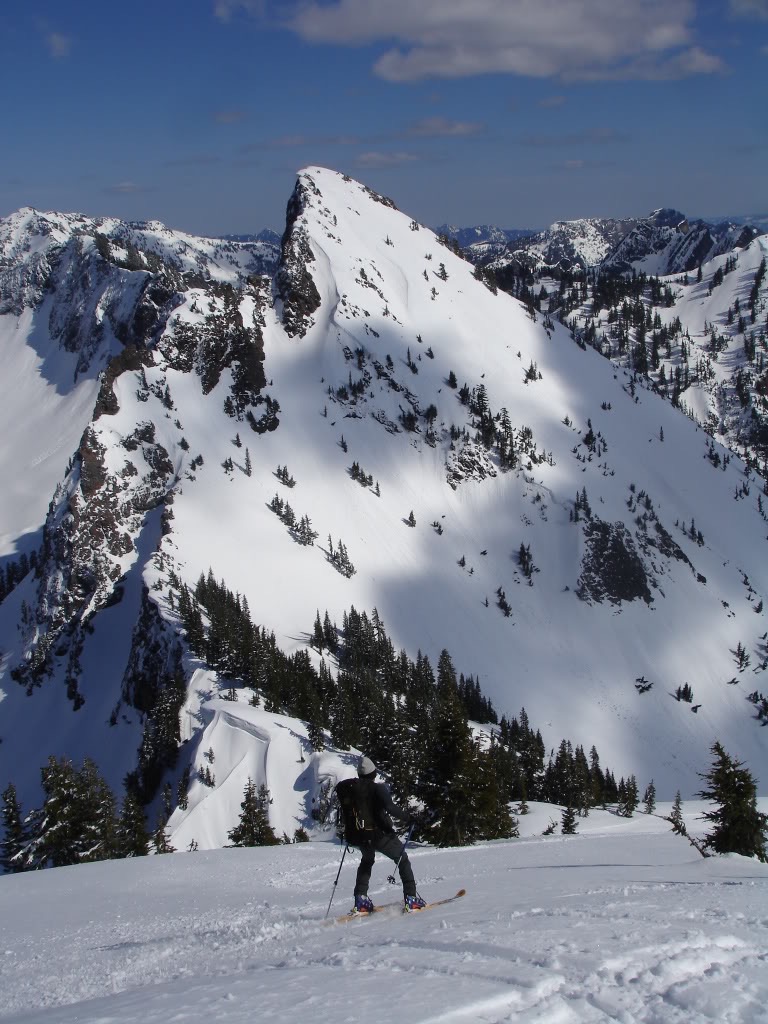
x: 357, y: 810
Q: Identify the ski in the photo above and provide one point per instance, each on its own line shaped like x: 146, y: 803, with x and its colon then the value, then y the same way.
x: 440, y: 903
x: 391, y: 907
x: 378, y: 909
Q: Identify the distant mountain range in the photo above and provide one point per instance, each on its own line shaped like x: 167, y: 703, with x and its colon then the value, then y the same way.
x: 481, y: 234
x: 665, y: 242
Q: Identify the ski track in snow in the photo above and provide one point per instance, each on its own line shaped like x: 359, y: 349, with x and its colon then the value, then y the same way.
x: 599, y: 927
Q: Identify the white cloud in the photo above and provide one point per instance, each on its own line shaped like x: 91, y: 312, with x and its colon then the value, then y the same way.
x: 536, y: 38
x: 58, y: 44
x: 693, y: 61
x: 125, y: 188
x: 378, y: 159
x: 441, y: 127
x: 551, y: 101
x: 287, y: 141
x: 588, y: 137
x: 228, y: 116
x: 750, y: 8
x: 224, y: 9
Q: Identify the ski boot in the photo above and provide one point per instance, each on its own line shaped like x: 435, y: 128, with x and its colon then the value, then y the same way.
x: 363, y: 905
x: 413, y: 903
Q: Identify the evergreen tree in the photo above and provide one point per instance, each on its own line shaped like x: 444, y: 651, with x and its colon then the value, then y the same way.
x: 182, y: 790
x: 315, y: 727
x: 253, y: 828
x: 494, y: 820
x: 77, y: 820
x: 160, y: 838
x: 132, y: 835
x: 597, y: 781
x: 462, y: 801
x: 98, y: 839
x: 568, y: 826
x: 628, y: 797
x: 54, y: 829
x: 738, y: 826
x: 329, y: 634
x: 318, y: 638
x: 14, y: 841
x: 676, y: 817
x: 649, y: 798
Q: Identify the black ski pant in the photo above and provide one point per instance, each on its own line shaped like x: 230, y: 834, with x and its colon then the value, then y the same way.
x: 391, y: 847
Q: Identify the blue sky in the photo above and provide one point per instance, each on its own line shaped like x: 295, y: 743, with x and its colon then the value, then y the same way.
x: 513, y: 112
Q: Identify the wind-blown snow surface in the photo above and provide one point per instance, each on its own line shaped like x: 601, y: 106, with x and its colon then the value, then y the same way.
x: 623, y: 922
x: 572, y: 664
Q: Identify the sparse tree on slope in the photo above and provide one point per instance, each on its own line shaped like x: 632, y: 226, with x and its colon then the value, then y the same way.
x: 676, y: 817
x: 649, y: 798
x: 98, y: 838
x: 14, y: 833
x: 568, y: 826
x: 132, y: 835
x: 738, y: 826
x: 253, y: 828
x: 628, y: 797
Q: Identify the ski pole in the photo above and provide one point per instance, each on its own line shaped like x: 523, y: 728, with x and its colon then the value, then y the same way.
x: 336, y: 880
x: 391, y: 878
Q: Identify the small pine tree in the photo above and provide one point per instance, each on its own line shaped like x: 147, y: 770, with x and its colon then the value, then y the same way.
x: 182, y: 790
x: 14, y: 841
x: 411, y: 519
x: 253, y: 828
x: 649, y: 798
x: 315, y: 732
x: 738, y: 826
x: 628, y: 797
x: 132, y: 835
x: 569, y: 825
x: 160, y: 838
x: 98, y: 824
x: 318, y: 640
x: 676, y: 817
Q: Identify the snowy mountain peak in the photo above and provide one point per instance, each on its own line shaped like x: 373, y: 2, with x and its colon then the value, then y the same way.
x: 666, y: 217
x: 451, y: 461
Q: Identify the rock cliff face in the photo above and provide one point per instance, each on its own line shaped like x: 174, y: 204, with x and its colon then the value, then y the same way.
x: 294, y: 284
x: 150, y: 307
x: 612, y: 570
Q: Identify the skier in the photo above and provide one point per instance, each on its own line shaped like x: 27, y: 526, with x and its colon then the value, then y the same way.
x: 366, y: 807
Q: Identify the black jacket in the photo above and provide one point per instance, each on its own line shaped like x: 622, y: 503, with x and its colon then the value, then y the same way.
x: 384, y: 806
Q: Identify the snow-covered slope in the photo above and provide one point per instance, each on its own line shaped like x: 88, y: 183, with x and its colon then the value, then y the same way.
x: 623, y: 921
x: 704, y: 337
x: 642, y: 565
